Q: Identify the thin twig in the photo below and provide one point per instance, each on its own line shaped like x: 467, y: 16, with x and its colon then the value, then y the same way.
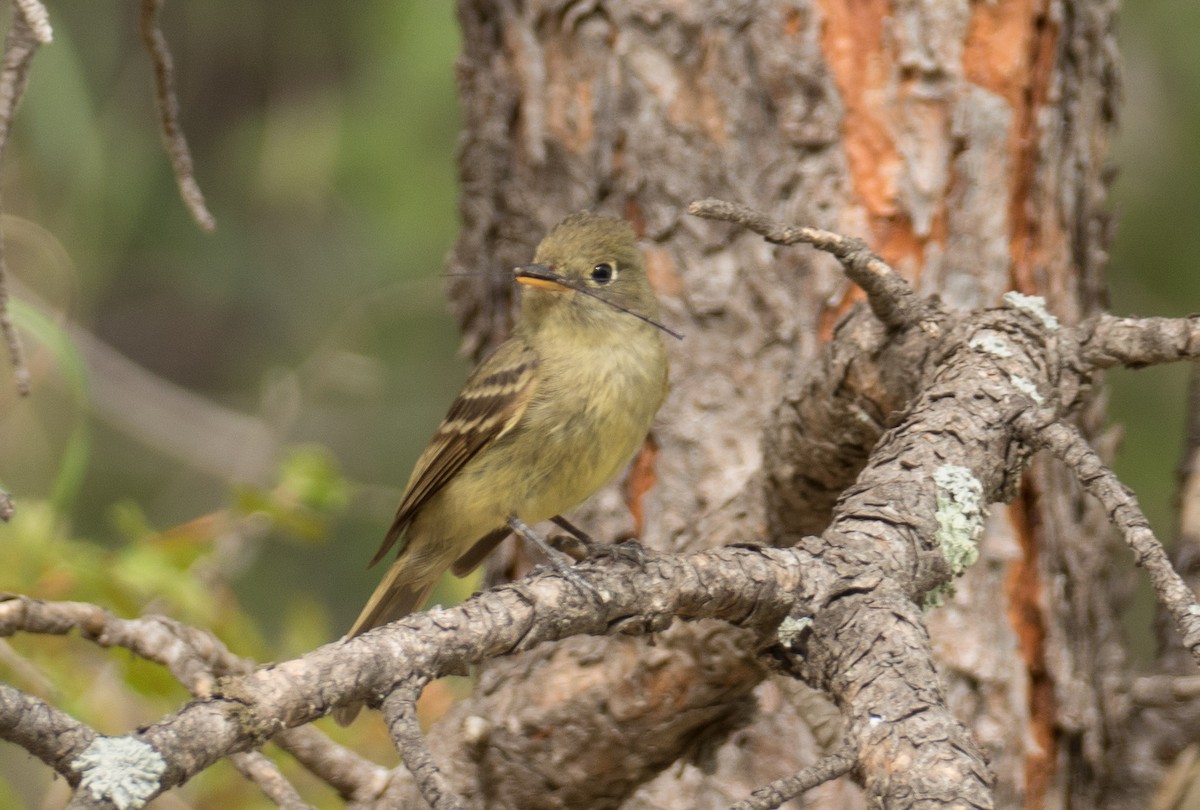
x: 773, y: 795
x: 24, y: 670
x: 1110, y: 341
x: 1066, y: 443
x: 38, y: 19
x: 891, y: 297
x: 255, y: 766
x: 168, y: 111
x: 343, y: 770
x: 19, y: 47
x: 400, y: 712
x: 1190, y: 462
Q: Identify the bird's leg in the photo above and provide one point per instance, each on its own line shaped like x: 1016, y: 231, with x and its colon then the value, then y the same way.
x: 576, y: 544
x: 522, y: 530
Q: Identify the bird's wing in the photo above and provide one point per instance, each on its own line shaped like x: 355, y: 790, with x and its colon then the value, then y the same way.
x: 490, y: 404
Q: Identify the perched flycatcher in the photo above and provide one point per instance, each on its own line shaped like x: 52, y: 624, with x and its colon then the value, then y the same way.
x: 545, y: 421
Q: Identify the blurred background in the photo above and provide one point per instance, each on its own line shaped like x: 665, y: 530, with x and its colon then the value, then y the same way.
x: 221, y: 424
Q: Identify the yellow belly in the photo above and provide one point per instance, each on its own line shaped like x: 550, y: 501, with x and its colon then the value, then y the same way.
x: 576, y: 434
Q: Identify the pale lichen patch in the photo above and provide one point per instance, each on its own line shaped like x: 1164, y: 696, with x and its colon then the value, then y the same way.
x: 121, y: 770
x: 1027, y: 388
x: 1035, y: 305
x: 960, y: 514
x: 990, y: 344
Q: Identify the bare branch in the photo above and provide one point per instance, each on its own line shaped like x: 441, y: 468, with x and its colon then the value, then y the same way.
x: 265, y: 773
x: 1138, y: 342
x: 773, y: 795
x: 51, y: 735
x: 196, y: 658
x: 168, y: 111
x: 637, y: 592
x: 1066, y: 443
x: 38, y: 19
x: 193, y: 656
x: 339, y: 767
x: 19, y: 47
x: 400, y: 713
x: 891, y: 297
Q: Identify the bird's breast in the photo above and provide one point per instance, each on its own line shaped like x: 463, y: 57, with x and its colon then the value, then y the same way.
x: 590, y: 414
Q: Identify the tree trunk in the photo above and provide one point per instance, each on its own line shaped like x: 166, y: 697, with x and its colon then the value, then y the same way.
x: 967, y: 143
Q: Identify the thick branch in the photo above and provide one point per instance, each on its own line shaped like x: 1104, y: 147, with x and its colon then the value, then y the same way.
x: 51, y: 735
x: 196, y: 658
x: 629, y: 593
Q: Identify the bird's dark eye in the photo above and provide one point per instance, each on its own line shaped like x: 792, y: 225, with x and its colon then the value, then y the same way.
x: 603, y: 273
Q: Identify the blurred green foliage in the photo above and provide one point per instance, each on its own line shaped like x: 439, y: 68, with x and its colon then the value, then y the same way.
x: 1153, y: 270
x: 323, y: 137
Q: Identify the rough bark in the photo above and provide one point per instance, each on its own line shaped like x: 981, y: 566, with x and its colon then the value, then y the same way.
x: 967, y: 143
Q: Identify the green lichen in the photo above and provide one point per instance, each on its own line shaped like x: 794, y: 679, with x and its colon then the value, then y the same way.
x: 960, y: 514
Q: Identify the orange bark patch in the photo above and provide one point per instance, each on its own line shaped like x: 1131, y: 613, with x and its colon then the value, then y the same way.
x: 1023, y: 589
x: 792, y: 22
x: 863, y: 68
x: 642, y: 479
x: 893, y: 237
x: 633, y: 213
x: 852, y: 40
x: 996, y: 52
x: 569, y: 111
x: 692, y: 102
x: 570, y: 105
x: 1010, y: 50
x: 664, y: 276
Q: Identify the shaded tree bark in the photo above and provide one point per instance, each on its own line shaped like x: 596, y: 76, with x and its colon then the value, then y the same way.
x: 967, y: 143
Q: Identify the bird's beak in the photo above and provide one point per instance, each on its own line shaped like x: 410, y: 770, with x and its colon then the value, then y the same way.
x: 540, y: 276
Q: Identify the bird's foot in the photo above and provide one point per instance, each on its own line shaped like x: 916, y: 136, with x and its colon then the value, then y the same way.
x: 553, y: 556
x: 526, y: 533
x: 576, y: 544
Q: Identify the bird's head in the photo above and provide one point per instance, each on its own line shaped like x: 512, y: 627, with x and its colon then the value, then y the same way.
x: 588, y: 268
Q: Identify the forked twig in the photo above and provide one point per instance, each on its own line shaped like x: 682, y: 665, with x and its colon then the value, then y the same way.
x: 1069, y: 446
x: 892, y: 299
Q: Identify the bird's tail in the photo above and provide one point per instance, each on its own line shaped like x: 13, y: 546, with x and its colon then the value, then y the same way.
x: 397, y: 595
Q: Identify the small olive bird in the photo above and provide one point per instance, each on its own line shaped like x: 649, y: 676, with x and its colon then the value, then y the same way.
x: 546, y: 420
